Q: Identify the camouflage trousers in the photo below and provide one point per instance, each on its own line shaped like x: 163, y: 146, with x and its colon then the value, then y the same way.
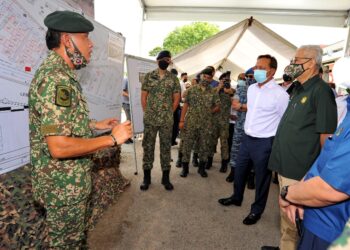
x: 236, y: 143
x: 149, y: 141
x: 220, y: 131
x: 195, y: 136
x: 66, y: 226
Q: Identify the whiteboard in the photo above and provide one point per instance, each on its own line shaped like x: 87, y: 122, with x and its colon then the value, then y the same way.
x: 22, y: 50
x: 137, y: 68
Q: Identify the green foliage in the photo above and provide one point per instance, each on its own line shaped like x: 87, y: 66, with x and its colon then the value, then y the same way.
x: 186, y: 37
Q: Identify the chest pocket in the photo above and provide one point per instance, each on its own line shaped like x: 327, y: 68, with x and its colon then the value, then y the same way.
x: 81, y: 119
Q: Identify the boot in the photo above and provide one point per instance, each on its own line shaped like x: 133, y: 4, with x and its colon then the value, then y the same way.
x: 184, y: 171
x: 251, y: 180
x: 209, y: 163
x: 231, y: 176
x: 201, y: 169
x: 165, y: 180
x: 179, y: 160
x: 223, y: 168
x: 195, y: 160
x: 146, y: 179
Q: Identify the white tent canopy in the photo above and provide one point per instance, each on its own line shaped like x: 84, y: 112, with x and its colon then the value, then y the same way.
x: 236, y: 49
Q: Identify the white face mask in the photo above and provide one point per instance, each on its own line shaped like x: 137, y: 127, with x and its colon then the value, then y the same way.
x: 341, y: 72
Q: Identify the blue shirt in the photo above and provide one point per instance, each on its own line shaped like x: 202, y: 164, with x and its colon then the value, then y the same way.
x: 214, y: 83
x: 333, y: 166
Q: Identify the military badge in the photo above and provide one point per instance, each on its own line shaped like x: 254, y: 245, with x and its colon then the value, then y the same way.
x: 63, y: 96
x: 303, y: 100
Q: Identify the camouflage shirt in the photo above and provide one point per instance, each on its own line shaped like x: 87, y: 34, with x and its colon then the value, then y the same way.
x: 159, y: 106
x: 200, y: 102
x: 57, y: 107
x: 225, y: 108
x: 343, y: 241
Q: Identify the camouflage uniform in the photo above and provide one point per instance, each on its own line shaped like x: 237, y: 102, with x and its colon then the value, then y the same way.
x: 221, y: 124
x: 343, y: 241
x: 241, y: 95
x: 57, y: 107
x: 158, y: 117
x: 198, y: 121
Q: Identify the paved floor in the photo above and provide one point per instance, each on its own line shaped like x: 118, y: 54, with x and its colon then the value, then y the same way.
x: 189, y: 217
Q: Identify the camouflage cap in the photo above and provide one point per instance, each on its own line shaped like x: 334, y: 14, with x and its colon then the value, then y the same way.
x: 68, y: 21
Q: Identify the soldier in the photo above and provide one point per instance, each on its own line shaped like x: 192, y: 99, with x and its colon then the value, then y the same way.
x: 60, y: 131
x: 160, y: 97
x: 221, y: 122
x: 200, y: 103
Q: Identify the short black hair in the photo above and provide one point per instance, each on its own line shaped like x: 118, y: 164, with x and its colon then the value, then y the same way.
x: 174, y: 71
x: 183, y: 74
x: 53, y: 39
x: 273, y: 61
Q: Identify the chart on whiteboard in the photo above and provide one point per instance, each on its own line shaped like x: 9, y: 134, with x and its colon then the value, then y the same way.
x: 22, y: 50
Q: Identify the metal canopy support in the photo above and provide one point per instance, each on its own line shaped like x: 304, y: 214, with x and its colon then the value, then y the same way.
x: 333, y: 18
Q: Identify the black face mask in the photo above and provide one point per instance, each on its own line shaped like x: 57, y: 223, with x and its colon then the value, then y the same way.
x: 185, y: 79
x: 287, y: 78
x: 163, y: 64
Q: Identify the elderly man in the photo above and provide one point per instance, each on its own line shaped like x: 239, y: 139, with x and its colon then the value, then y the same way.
x: 61, y: 140
x: 266, y: 104
x: 160, y: 96
x: 310, y: 118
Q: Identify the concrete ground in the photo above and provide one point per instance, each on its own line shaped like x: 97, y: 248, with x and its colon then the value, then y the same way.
x: 189, y: 217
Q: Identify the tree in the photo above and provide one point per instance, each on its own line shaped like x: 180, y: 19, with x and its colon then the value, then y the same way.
x: 186, y: 37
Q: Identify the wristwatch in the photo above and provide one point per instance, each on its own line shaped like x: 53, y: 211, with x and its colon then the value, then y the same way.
x: 284, y: 192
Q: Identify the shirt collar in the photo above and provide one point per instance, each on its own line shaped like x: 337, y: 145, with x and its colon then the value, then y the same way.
x: 60, y: 62
x: 308, y: 84
x: 269, y: 84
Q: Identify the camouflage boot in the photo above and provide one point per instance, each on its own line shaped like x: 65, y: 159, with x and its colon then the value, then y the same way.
x: 201, y: 169
x: 195, y: 160
x: 184, y: 171
x: 146, y: 179
x: 179, y: 160
x: 166, y: 181
x: 209, y: 163
x: 223, y: 168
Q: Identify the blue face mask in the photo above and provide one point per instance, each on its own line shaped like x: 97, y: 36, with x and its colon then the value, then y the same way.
x: 260, y: 75
x: 240, y: 83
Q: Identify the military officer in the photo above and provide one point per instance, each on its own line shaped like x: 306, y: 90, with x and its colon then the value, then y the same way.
x: 196, y: 123
x: 60, y: 131
x: 160, y: 96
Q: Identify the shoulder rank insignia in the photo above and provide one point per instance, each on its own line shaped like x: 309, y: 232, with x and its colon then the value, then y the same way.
x: 63, y: 96
x: 303, y: 100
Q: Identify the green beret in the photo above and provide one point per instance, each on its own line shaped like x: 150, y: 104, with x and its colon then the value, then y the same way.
x: 68, y: 21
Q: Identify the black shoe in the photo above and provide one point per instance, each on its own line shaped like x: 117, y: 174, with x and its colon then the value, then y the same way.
x: 201, y: 169
x: 223, y: 168
x: 251, y: 219
x: 269, y: 248
x: 195, y: 160
x: 230, y: 201
x: 166, y: 182
x: 231, y: 176
x: 209, y: 163
x: 146, y: 180
x: 184, y: 171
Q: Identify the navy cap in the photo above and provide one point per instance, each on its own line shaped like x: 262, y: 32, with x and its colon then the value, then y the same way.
x: 68, y: 21
x: 164, y: 53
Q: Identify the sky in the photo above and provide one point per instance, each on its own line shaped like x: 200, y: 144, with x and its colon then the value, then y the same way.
x: 126, y: 17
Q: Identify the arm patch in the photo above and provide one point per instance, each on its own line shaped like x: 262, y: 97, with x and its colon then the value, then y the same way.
x: 63, y: 96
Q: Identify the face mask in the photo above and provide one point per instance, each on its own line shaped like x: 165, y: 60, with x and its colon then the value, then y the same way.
x: 295, y: 70
x: 205, y: 83
x: 287, y: 78
x: 163, y: 64
x: 185, y: 79
x: 240, y: 83
x: 260, y: 75
x: 77, y: 58
x: 250, y: 81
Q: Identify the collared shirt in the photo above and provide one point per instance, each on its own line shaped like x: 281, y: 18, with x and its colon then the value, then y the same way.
x: 57, y: 107
x: 332, y: 166
x: 311, y: 112
x: 266, y: 105
x: 214, y: 83
x: 159, y: 106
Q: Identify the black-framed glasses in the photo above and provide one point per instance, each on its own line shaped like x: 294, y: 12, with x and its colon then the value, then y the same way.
x: 295, y: 59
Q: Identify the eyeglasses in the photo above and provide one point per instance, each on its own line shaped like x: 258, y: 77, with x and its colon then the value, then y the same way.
x: 249, y: 76
x: 295, y: 59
